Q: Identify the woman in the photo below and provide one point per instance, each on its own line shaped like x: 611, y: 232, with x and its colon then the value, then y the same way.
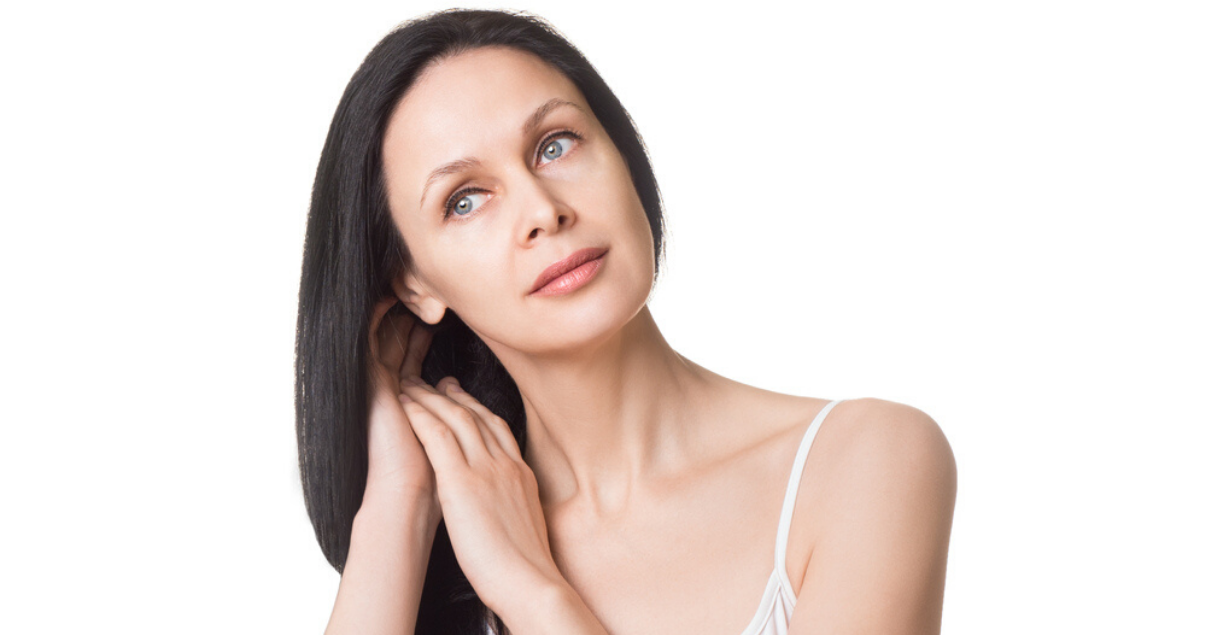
x: 493, y: 433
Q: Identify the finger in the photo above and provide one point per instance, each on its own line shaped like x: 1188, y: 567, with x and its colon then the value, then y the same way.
x: 495, y: 425
x: 450, y: 388
x: 440, y: 443
x: 462, y: 421
x: 416, y: 349
x: 379, y: 311
x: 394, y: 329
x: 384, y: 379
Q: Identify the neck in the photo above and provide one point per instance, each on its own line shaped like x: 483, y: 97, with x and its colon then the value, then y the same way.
x: 602, y: 422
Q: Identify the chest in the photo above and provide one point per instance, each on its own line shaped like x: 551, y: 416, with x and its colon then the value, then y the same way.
x: 695, y: 561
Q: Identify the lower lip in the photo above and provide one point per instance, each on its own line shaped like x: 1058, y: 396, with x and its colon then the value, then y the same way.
x: 573, y: 279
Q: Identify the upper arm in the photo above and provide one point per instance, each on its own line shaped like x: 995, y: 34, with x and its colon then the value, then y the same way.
x: 879, y: 562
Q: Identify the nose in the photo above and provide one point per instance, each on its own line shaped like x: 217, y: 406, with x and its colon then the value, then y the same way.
x: 542, y: 212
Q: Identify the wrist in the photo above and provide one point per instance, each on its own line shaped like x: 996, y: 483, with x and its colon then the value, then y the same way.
x: 397, y: 508
x: 550, y: 606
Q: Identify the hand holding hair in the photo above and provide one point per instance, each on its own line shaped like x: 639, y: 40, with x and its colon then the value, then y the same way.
x: 488, y: 495
x: 397, y: 465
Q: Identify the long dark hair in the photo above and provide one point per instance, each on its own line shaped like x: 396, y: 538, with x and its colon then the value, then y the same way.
x: 353, y: 250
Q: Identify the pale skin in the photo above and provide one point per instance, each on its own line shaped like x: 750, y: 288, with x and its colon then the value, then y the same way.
x: 650, y: 496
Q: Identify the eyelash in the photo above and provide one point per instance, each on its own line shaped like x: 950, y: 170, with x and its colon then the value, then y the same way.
x: 463, y: 192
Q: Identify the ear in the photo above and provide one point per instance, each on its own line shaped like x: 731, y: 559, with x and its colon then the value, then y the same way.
x: 414, y: 294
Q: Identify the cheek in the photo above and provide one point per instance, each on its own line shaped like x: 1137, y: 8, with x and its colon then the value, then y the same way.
x: 606, y: 181
x: 629, y: 203
x: 470, y: 274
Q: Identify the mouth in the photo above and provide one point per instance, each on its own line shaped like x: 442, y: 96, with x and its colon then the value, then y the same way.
x: 570, y: 273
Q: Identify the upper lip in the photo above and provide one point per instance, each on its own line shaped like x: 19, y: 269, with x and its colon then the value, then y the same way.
x: 571, y: 262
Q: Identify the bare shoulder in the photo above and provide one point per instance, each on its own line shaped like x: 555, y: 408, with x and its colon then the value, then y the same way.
x: 890, y: 440
x: 883, y: 524
x: 877, y: 452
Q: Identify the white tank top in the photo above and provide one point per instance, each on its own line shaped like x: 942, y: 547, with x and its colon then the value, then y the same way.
x: 778, y: 601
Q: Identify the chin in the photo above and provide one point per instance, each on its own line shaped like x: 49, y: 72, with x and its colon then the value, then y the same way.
x: 595, y: 316
x: 586, y: 318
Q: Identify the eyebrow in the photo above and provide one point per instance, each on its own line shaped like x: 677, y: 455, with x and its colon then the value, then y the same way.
x: 460, y: 165
x: 540, y: 113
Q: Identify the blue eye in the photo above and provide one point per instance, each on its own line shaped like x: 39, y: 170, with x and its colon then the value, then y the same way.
x: 463, y: 202
x: 558, y: 146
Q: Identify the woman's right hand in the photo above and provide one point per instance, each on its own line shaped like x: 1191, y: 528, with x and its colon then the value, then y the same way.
x: 398, y: 467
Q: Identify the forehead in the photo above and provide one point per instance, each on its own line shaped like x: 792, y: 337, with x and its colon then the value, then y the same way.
x: 465, y: 105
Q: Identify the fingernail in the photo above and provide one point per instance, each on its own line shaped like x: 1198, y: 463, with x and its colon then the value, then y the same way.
x: 453, y: 386
x: 409, y: 381
x: 404, y: 398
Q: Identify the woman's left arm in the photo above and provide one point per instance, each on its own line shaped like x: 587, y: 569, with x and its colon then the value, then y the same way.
x: 879, y: 564
x: 492, y: 511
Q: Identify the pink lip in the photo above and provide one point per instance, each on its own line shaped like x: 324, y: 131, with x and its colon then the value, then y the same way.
x: 566, y: 275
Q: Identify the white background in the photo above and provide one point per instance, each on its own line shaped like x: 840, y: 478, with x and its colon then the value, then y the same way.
x: 990, y: 211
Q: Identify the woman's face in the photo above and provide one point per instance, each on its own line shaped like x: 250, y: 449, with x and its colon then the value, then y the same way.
x: 495, y: 169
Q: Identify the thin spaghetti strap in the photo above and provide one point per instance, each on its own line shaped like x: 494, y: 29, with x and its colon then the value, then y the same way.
x: 793, y: 486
